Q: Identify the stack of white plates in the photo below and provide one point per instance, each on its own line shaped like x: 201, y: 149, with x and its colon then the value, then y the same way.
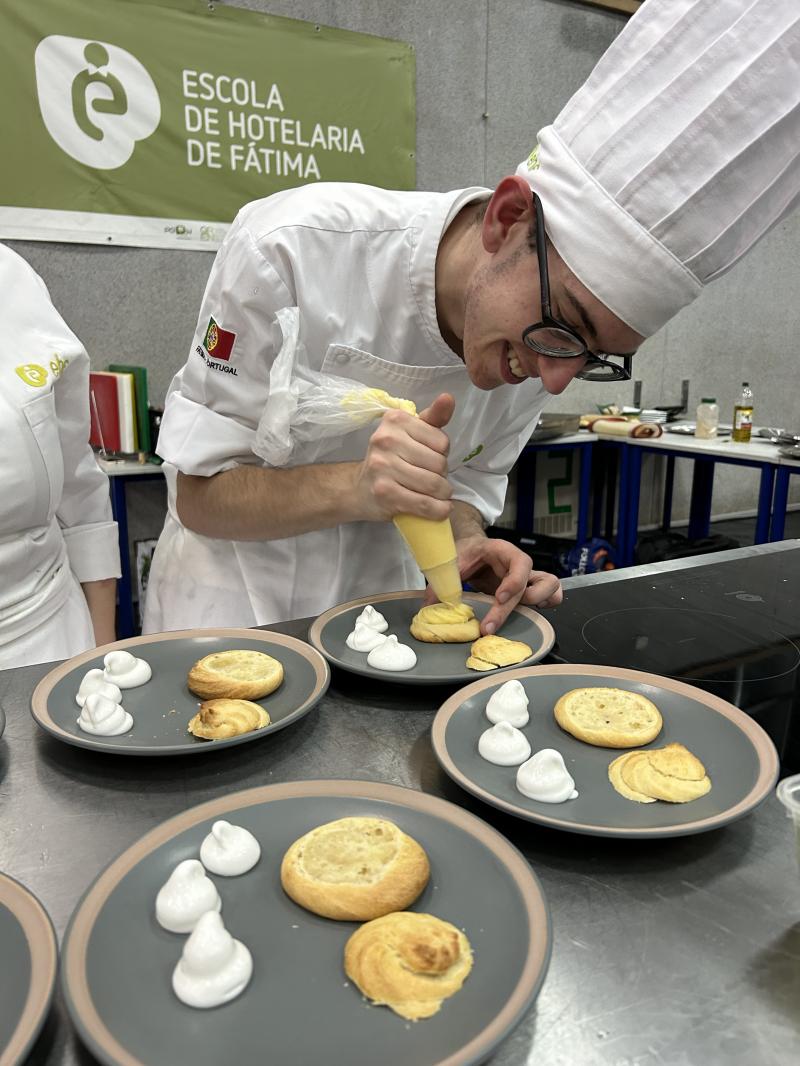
x: 653, y: 416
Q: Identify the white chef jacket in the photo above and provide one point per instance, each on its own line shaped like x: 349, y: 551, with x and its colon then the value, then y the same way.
x: 56, y: 528
x: 359, y: 263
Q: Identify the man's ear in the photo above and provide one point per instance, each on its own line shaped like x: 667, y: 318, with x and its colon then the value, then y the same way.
x: 511, y: 202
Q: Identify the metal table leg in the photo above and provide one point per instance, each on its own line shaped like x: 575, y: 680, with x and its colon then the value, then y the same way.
x: 612, y: 466
x: 633, y: 474
x: 599, y: 474
x: 779, y: 503
x: 765, y: 503
x: 700, y: 506
x: 584, y: 489
x: 669, y: 486
x: 526, y: 490
x: 623, y: 521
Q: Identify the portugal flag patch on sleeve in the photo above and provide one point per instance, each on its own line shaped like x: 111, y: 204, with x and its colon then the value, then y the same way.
x: 218, y: 342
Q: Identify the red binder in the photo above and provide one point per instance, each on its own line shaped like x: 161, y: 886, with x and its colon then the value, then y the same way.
x: 104, y: 405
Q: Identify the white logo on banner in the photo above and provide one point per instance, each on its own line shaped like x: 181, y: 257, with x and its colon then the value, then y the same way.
x: 97, y: 100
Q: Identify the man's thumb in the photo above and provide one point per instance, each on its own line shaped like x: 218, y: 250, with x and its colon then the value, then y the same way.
x: 440, y: 411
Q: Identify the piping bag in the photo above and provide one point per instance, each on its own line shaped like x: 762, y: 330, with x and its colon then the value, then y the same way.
x: 430, y: 540
x: 305, y: 406
x: 434, y: 550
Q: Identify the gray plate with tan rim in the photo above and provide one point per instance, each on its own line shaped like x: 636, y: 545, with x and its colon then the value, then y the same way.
x: 161, y: 709
x: 436, y: 663
x: 28, y: 965
x: 739, y: 757
x: 299, y: 1006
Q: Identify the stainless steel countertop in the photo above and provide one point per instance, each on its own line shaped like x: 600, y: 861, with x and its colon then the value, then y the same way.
x: 666, y: 953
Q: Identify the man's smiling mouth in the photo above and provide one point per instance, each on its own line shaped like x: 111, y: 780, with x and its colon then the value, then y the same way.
x: 515, y: 366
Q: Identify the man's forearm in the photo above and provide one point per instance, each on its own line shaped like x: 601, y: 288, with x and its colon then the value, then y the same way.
x: 466, y: 521
x: 258, y: 503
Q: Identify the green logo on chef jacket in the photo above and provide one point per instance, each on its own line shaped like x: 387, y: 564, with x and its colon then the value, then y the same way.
x: 32, y: 374
x: 472, y: 454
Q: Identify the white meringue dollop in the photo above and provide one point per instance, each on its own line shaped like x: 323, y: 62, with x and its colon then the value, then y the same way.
x: 185, y: 896
x: 102, y: 716
x: 391, y: 655
x: 229, y: 850
x: 509, y: 703
x: 372, y: 618
x: 364, y: 638
x: 544, y: 777
x: 213, y: 968
x: 504, y: 745
x: 125, y: 670
x: 94, y: 681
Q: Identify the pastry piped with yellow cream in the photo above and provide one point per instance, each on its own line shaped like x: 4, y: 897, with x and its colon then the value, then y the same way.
x: 445, y: 623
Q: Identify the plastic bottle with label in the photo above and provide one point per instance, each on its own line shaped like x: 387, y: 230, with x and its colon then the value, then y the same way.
x: 743, y: 415
x: 707, y: 418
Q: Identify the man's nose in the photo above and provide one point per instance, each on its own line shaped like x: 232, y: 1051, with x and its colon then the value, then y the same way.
x: 556, y: 374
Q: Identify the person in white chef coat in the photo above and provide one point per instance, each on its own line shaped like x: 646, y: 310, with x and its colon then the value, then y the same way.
x: 246, y: 544
x: 59, y: 553
x: 674, y: 158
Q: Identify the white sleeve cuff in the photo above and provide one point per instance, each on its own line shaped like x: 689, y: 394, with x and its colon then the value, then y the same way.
x: 200, y: 441
x: 93, y: 551
x: 484, y: 491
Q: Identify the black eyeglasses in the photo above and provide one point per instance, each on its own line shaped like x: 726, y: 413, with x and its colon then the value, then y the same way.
x: 559, y: 341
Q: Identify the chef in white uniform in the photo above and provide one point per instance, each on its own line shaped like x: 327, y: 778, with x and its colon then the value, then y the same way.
x: 59, y: 554
x: 361, y: 265
x: 664, y: 169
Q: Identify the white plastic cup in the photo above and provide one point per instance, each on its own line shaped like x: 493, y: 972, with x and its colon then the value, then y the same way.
x: 788, y: 792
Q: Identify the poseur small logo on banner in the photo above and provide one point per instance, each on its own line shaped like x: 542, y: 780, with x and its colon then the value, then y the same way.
x: 96, y: 99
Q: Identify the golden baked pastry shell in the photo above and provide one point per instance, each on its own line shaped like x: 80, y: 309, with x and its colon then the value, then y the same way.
x: 235, y: 674
x: 355, y: 869
x: 642, y: 775
x: 222, y: 719
x: 608, y: 717
x: 493, y: 651
x: 480, y: 664
x: 619, y: 782
x: 409, y: 962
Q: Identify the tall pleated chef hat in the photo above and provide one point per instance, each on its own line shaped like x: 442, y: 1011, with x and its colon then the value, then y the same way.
x: 677, y: 155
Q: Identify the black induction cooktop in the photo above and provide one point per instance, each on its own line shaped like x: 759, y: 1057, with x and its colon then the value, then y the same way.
x: 731, y: 627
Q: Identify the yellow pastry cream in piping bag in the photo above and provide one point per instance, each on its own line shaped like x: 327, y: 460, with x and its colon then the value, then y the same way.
x: 358, y: 398
x: 430, y: 540
x: 434, y: 549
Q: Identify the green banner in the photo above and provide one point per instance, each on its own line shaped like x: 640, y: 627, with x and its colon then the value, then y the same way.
x: 151, y: 122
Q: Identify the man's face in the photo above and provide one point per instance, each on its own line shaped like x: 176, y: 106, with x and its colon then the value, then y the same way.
x: 503, y: 299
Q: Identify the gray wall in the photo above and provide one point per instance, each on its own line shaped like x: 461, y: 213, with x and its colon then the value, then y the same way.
x: 490, y: 73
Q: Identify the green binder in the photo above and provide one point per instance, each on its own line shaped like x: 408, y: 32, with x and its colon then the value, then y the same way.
x: 142, y: 415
